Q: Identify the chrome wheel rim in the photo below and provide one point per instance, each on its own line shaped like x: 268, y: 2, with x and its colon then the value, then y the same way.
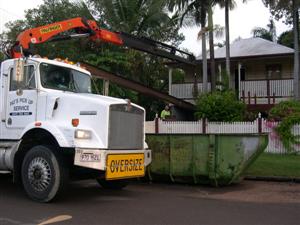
x: 39, y: 174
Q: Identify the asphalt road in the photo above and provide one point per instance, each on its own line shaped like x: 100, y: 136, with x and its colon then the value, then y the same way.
x: 86, y: 203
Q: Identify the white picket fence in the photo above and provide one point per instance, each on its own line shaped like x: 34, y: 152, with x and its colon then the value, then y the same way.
x: 173, y: 127
x: 236, y: 127
x: 196, y: 127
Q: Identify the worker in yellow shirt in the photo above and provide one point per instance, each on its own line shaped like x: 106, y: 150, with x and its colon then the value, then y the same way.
x: 165, y: 114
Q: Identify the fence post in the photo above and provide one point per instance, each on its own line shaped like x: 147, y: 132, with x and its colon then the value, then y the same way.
x: 243, y: 96
x: 259, y: 123
x: 156, y: 124
x: 203, y: 125
x: 249, y: 98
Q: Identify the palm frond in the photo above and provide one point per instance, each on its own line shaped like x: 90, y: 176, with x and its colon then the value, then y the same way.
x: 218, y: 31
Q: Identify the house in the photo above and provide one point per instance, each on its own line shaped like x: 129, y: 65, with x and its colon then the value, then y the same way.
x: 263, y: 72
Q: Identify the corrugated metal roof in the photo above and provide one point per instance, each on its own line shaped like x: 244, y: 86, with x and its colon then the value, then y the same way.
x: 251, y: 47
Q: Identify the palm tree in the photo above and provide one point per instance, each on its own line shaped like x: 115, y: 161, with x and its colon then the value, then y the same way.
x: 194, y: 12
x: 227, y: 2
x: 214, y: 31
x: 148, y: 18
x: 211, y: 47
x: 228, y: 5
x: 262, y: 33
x: 137, y: 17
x: 140, y: 18
x: 268, y: 34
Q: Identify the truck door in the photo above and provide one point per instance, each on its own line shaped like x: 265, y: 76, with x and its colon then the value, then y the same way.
x: 21, y: 99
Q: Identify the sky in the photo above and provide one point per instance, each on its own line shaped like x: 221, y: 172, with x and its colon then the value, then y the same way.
x: 242, y: 20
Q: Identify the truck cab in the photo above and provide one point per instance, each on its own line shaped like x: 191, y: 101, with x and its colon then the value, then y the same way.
x: 52, y: 124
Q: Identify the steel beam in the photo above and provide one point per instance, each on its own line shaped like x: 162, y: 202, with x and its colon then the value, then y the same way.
x: 135, y: 86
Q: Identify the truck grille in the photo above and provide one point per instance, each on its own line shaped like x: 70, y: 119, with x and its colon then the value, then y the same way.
x: 126, y: 127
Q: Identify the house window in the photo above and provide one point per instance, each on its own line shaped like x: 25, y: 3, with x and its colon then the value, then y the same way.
x: 273, y: 71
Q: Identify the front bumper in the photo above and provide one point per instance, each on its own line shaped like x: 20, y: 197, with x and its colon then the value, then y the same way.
x: 97, y: 158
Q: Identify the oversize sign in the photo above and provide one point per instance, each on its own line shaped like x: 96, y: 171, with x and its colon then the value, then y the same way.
x: 124, y: 166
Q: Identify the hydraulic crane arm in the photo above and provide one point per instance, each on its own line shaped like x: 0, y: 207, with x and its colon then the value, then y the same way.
x: 53, y: 32
x: 156, y: 48
x: 89, y: 28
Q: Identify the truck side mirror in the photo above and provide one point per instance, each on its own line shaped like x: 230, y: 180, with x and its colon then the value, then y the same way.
x: 18, y: 74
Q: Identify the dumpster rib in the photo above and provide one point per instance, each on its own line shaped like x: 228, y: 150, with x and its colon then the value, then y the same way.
x: 170, y: 160
x: 194, y: 161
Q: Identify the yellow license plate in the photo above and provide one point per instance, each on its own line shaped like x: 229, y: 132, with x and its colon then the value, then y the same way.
x: 120, y: 166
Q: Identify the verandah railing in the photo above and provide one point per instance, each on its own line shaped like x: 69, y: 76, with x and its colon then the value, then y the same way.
x: 250, y: 91
x: 266, y: 91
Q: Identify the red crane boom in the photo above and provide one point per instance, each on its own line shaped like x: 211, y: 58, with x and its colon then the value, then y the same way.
x: 89, y: 28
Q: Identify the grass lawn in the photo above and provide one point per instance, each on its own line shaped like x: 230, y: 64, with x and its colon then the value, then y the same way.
x: 275, y: 165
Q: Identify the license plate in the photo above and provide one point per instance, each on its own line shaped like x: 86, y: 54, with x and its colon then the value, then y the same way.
x: 89, y: 157
x: 120, y: 166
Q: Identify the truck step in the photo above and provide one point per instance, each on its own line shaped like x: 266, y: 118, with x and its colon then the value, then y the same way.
x: 3, y: 172
x: 6, y: 151
x: 7, y: 144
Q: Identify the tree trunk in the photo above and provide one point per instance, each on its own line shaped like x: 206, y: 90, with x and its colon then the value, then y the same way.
x: 211, y: 49
x: 204, y: 57
x: 231, y: 78
x: 296, y: 50
x: 204, y: 64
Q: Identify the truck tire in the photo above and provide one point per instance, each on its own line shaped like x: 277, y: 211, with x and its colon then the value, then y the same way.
x: 43, y: 174
x: 113, y: 184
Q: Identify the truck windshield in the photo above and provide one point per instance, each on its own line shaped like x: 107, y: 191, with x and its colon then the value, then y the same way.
x: 65, y: 79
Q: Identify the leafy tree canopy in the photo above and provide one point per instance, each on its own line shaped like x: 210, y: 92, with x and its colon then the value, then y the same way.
x: 147, y: 18
x: 139, y: 17
x: 262, y: 33
x: 287, y: 38
x: 280, y: 9
x: 49, y: 12
x: 268, y: 34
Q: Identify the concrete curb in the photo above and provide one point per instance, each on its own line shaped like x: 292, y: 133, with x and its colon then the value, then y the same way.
x: 277, y: 179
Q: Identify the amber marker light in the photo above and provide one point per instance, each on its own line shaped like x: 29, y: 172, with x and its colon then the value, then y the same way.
x: 75, y: 122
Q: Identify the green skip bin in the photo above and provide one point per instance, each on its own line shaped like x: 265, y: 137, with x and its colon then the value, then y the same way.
x: 216, y: 159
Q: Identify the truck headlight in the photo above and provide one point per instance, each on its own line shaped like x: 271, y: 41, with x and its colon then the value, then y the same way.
x: 83, y: 134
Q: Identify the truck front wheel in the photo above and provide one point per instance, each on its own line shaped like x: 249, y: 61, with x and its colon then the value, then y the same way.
x: 43, y: 173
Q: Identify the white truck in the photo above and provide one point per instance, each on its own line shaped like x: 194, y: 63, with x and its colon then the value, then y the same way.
x: 52, y: 125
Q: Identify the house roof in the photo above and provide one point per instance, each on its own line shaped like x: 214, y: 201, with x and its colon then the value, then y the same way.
x: 252, y: 47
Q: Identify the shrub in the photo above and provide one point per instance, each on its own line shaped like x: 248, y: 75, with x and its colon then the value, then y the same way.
x: 284, y: 109
x: 288, y: 113
x: 220, y: 106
